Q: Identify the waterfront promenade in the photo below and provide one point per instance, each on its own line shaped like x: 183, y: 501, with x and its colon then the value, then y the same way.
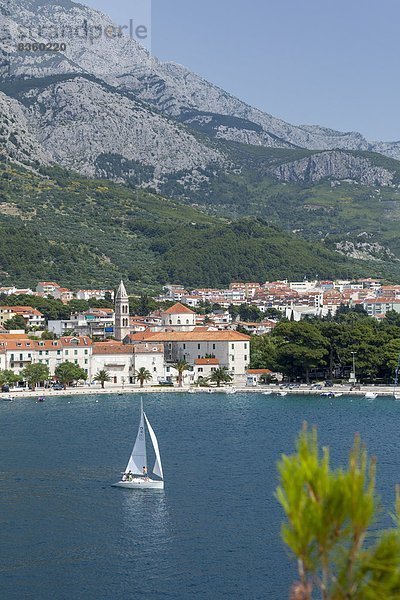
x: 82, y: 390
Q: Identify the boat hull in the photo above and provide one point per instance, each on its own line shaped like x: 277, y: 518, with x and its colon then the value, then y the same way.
x: 140, y: 484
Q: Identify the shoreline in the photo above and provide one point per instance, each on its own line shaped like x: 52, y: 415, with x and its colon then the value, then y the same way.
x: 386, y: 391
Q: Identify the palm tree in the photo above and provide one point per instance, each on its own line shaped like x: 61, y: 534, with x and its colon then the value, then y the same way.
x: 181, y: 366
x: 143, y: 375
x: 220, y: 375
x: 102, y: 377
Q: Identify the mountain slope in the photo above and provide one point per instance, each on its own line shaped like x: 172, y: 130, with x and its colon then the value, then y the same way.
x: 87, y: 232
x: 80, y: 121
x: 171, y: 88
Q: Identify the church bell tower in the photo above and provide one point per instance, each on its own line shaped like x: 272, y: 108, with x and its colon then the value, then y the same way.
x: 122, y: 328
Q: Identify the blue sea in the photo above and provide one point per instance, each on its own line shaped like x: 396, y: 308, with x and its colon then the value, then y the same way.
x: 65, y: 533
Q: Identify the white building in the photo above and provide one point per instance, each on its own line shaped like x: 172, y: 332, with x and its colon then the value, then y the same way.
x: 179, y: 318
x: 97, y: 322
x: 230, y: 348
x: 122, y: 361
x: 32, y: 316
x: 18, y: 352
x: 94, y: 294
x: 205, y: 367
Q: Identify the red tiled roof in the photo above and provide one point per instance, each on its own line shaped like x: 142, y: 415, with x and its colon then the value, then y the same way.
x: 178, y: 309
x: 191, y: 336
x: 206, y: 361
x: 111, y: 348
x: 76, y: 341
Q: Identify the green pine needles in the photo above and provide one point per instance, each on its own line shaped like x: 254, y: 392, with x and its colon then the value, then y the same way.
x: 329, y: 514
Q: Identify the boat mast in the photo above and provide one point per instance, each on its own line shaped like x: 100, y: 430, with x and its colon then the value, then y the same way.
x: 396, y: 379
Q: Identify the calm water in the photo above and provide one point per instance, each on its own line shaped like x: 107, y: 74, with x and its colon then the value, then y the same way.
x: 213, y: 533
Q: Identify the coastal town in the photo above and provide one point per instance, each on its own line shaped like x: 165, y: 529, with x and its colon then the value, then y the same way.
x: 192, y: 337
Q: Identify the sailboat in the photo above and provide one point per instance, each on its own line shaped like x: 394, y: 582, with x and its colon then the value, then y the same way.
x: 136, y: 475
x: 396, y: 396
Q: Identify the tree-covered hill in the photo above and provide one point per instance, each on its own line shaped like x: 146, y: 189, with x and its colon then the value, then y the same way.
x: 81, y: 232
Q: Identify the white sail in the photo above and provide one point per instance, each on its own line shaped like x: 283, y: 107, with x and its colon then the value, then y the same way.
x: 138, y: 458
x: 157, y: 470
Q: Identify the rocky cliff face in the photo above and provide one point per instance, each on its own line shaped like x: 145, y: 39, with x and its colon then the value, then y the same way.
x: 333, y: 165
x: 83, y: 125
x: 16, y: 141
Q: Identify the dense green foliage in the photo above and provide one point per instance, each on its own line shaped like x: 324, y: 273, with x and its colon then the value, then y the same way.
x: 35, y: 373
x: 67, y: 373
x: 329, y: 210
x: 8, y: 377
x: 16, y: 322
x: 326, y: 346
x: 90, y: 233
x: 331, y: 521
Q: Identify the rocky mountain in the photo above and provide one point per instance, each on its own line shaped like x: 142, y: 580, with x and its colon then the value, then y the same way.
x: 86, y: 126
x: 16, y: 140
x: 334, y: 165
x: 171, y: 88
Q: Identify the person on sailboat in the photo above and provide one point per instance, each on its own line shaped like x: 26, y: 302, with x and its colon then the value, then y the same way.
x: 145, y: 474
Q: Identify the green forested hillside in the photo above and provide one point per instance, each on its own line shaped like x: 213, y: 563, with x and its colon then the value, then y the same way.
x: 82, y: 232
x: 336, y: 211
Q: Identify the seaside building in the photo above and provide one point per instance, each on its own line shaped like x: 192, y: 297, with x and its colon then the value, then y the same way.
x: 122, y: 361
x: 230, y: 348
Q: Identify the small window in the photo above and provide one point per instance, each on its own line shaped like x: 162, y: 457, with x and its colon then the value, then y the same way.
x: 198, y: 346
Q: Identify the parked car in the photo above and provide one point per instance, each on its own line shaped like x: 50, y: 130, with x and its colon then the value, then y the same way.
x: 166, y: 383
x: 316, y: 386
x: 5, y: 388
x: 58, y: 386
x: 329, y: 383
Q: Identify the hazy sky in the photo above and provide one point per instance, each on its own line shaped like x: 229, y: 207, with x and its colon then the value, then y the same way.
x: 327, y: 62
